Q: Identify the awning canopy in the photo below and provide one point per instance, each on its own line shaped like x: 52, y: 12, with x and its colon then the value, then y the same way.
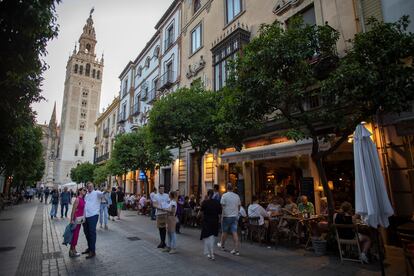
x: 273, y: 151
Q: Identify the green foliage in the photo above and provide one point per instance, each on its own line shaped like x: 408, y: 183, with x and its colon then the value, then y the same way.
x: 283, y: 72
x: 274, y: 77
x: 135, y: 150
x: 83, y: 173
x: 123, y: 152
x: 373, y: 76
x: 187, y: 115
x: 100, y: 174
x: 26, y: 162
x: 26, y: 27
x: 114, y: 167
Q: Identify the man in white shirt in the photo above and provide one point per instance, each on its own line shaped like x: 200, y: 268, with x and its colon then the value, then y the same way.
x: 255, y: 210
x: 231, y: 205
x: 152, y: 199
x: 92, y: 206
x: 160, y: 202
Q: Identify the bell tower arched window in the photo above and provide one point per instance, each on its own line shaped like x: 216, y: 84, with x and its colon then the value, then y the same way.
x: 93, y: 73
x: 87, y: 69
x: 76, y: 69
x: 81, y: 70
x: 98, y: 74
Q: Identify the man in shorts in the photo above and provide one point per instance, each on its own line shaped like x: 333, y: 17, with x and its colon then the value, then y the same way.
x: 231, y: 205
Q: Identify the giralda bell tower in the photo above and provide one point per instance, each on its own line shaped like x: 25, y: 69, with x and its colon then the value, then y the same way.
x: 80, y: 104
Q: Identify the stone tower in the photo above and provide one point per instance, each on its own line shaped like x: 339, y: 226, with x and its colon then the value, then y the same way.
x: 50, y: 142
x: 80, y: 104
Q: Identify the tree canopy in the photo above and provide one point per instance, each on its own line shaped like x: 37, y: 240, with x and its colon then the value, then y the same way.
x: 25, y: 161
x: 83, y: 173
x: 100, y: 174
x: 187, y: 115
x: 26, y: 27
x: 295, y: 77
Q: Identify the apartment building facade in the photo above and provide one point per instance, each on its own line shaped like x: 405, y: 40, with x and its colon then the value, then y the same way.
x: 106, y: 130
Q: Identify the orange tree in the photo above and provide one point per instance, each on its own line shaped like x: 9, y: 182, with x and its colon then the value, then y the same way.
x: 281, y: 69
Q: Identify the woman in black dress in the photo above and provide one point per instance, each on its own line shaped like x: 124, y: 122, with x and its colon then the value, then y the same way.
x: 112, y: 208
x: 211, y: 211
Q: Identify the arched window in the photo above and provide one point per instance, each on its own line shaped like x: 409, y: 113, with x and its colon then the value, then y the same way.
x: 196, y: 5
x: 87, y: 69
x: 93, y: 73
x: 147, y: 62
x: 83, y: 153
x: 98, y: 74
x: 76, y: 69
x: 139, y: 71
x: 157, y: 52
x: 81, y: 70
x: 88, y: 47
x: 76, y: 152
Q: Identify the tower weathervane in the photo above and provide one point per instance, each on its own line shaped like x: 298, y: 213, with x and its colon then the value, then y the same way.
x: 92, y: 10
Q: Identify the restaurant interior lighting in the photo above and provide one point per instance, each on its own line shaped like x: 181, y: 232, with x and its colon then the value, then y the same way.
x: 330, y: 185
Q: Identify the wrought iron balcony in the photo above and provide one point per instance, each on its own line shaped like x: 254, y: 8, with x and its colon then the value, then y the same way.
x: 144, y: 93
x: 135, y: 109
x: 167, y: 79
x: 122, y: 117
x: 152, y: 95
x: 102, y: 158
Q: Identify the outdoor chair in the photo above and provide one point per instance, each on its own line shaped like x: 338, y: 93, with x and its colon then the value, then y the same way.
x: 407, y: 241
x: 256, y: 230
x: 347, y: 247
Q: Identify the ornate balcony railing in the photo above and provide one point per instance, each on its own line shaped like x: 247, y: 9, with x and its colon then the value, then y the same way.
x: 167, y: 79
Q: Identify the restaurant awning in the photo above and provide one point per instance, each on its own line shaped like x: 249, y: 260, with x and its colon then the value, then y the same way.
x: 279, y: 150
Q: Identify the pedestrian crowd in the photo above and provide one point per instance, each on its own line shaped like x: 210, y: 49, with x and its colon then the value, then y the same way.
x: 219, y: 216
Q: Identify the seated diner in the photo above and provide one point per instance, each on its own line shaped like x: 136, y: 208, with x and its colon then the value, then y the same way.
x: 345, y: 216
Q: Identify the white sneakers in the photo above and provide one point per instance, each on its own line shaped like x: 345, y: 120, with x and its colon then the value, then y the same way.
x: 363, y: 257
x: 211, y: 257
x: 235, y: 252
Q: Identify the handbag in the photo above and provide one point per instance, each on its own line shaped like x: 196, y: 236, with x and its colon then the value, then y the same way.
x: 80, y: 220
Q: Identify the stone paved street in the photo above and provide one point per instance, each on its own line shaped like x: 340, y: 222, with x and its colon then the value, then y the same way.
x: 43, y: 254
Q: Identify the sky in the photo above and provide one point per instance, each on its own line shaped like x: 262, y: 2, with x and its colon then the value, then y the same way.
x: 122, y: 27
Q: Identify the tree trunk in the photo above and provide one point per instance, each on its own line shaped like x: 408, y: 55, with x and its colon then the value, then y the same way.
x: 199, y: 168
x: 124, y: 181
x: 322, y: 174
x: 146, y: 185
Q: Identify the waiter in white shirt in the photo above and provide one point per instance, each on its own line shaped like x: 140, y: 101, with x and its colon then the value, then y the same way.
x: 161, y: 202
x: 92, y: 206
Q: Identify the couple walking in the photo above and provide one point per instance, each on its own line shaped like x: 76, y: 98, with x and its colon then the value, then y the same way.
x: 211, y: 209
x: 86, y: 211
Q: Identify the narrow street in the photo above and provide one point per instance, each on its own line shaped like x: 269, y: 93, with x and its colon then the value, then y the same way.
x: 129, y: 248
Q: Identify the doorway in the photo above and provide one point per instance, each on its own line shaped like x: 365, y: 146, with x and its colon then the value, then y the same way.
x: 167, y: 179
